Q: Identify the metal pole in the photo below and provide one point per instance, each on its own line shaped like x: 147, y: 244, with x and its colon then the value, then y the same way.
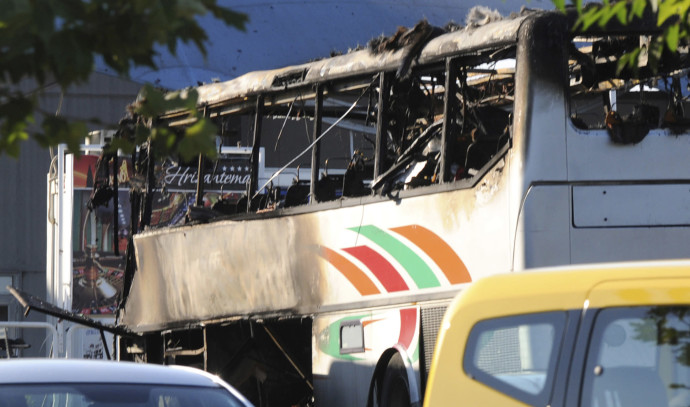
x: 116, y: 209
x: 450, y: 102
x: 256, y: 148
x: 150, y: 185
x: 200, y: 176
x: 381, y: 123
x: 316, y: 149
x: 105, y: 345
x: 289, y: 359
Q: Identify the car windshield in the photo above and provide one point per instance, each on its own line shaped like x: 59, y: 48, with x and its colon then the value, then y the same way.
x: 111, y: 395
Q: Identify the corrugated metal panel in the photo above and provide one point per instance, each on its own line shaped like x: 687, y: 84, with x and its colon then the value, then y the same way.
x: 23, y: 210
x: 23, y: 198
x: 103, y: 97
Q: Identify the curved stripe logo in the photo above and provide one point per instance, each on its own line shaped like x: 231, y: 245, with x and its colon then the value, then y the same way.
x: 419, y: 239
x: 404, y: 245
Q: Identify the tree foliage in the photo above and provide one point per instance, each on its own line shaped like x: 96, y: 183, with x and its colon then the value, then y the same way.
x: 672, y: 19
x: 188, y: 142
x: 57, y: 42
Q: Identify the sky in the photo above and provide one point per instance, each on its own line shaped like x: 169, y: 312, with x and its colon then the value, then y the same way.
x: 291, y: 32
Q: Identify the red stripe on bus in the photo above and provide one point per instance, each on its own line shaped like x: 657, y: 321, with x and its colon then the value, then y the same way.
x: 357, y: 277
x: 408, y: 326
x: 440, y: 252
x: 380, y: 267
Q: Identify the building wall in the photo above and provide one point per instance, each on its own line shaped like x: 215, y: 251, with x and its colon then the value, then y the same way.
x: 23, y: 195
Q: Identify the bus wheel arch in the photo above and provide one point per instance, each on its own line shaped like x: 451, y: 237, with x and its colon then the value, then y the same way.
x: 392, y: 373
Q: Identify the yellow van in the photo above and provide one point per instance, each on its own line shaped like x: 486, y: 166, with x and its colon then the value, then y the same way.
x: 614, y: 335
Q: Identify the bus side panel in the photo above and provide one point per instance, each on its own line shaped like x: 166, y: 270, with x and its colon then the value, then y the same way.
x: 299, y: 264
x: 544, y: 228
x: 641, y: 243
x: 575, y: 224
x: 629, y: 201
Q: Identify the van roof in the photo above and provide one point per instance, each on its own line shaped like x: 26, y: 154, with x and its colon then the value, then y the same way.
x: 560, y: 288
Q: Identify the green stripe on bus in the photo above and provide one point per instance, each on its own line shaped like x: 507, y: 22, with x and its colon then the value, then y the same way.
x: 420, y: 272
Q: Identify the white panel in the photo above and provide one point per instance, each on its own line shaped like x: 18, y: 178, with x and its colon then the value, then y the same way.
x: 631, y: 205
x: 592, y: 156
x: 591, y: 245
x: 545, y: 227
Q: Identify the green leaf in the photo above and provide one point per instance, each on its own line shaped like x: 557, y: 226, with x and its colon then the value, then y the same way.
x: 163, y: 140
x: 230, y: 17
x: 120, y: 143
x: 578, y: 6
x: 609, y: 11
x: 141, y: 134
x: 638, y: 7
x: 11, y: 141
x: 190, y: 7
x: 560, y: 5
x: 58, y: 130
x: 199, y: 139
x: 629, y: 61
x: 184, y: 99
x: 152, y: 102
x: 620, y: 9
x: 671, y: 36
x: 47, y: 40
x: 656, y: 49
x: 683, y: 9
x: 667, y: 9
x: 590, y: 17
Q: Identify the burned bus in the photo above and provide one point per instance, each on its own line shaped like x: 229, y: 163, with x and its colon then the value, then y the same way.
x: 396, y: 175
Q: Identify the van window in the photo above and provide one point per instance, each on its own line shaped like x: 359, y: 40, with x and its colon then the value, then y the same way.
x: 639, y: 356
x: 517, y: 355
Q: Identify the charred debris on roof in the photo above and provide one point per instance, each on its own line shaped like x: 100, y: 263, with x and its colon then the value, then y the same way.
x: 627, y: 102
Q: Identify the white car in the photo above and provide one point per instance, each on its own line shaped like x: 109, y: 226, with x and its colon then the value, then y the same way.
x: 92, y: 383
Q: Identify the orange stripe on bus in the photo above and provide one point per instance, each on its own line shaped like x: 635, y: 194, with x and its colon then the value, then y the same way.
x: 440, y: 252
x: 371, y: 321
x: 354, y: 274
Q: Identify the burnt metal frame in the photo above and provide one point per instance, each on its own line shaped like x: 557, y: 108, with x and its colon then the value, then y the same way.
x: 269, y: 103
x: 381, y: 121
x: 449, y: 109
x: 316, y: 149
x: 450, y: 105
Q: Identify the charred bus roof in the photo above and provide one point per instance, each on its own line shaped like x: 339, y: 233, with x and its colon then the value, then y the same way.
x: 472, y: 40
x: 365, y: 62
